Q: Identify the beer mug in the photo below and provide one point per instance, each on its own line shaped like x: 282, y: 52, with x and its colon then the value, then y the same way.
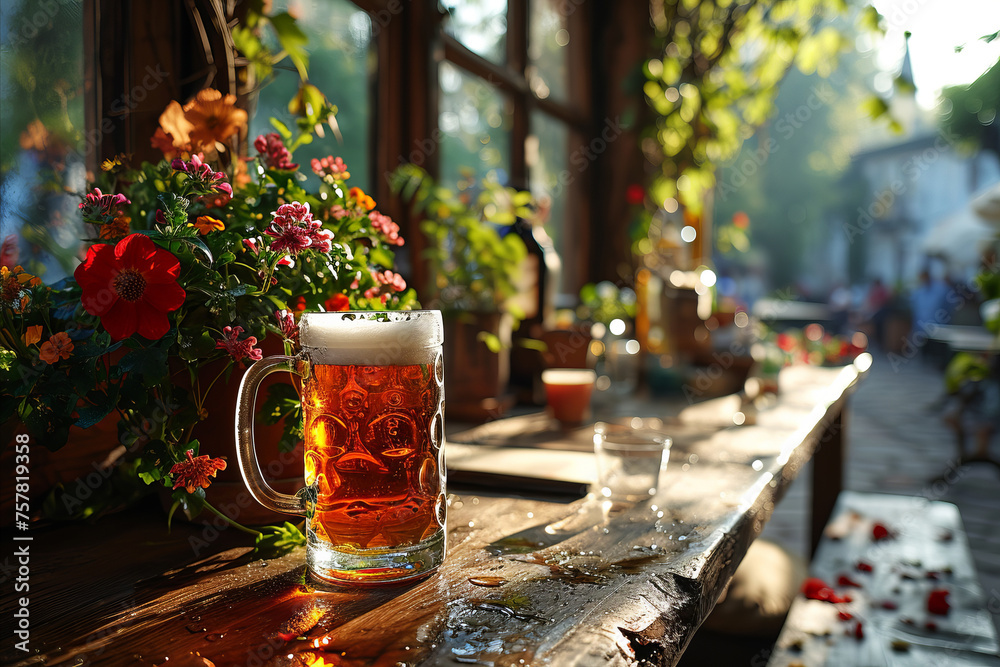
x: 373, y: 414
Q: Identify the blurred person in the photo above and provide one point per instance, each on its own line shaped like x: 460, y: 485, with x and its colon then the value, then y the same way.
x: 840, y: 305
x: 929, y: 303
x: 876, y: 306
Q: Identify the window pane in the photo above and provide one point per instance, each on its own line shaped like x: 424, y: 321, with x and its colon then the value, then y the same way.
x: 342, y: 64
x: 42, y: 147
x: 548, y: 40
x: 481, y: 25
x: 547, y: 155
x: 475, y: 120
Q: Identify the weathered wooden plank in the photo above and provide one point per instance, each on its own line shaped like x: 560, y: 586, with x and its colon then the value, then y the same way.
x: 925, y: 550
x: 526, y: 580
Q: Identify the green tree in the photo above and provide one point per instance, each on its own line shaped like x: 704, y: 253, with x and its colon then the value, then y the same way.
x: 974, y: 108
x: 717, y: 78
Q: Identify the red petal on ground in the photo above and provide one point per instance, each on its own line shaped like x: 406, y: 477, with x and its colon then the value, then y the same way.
x: 937, y: 602
x: 880, y: 532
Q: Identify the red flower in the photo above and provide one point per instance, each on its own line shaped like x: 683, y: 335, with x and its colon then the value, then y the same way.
x: 635, y: 194
x: 273, y: 152
x: 859, y: 632
x: 239, y: 349
x: 337, y: 302
x: 741, y: 220
x: 862, y: 566
x: 196, y: 471
x: 131, y: 286
x: 844, y: 580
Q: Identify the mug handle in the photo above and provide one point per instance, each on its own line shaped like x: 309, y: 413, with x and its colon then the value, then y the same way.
x: 246, y: 455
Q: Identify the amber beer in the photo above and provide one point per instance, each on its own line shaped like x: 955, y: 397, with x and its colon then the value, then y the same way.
x: 373, y: 415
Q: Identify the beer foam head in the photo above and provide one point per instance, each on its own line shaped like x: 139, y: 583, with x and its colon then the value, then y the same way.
x: 574, y: 376
x: 399, y: 338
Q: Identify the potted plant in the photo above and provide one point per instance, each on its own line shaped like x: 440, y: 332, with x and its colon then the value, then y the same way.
x: 189, y: 272
x: 473, y: 264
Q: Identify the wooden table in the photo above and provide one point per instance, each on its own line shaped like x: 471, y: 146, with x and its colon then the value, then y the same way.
x: 570, y: 583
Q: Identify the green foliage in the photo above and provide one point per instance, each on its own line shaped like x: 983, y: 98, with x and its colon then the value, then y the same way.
x: 717, y: 76
x: 473, y: 265
x: 276, y: 541
x: 965, y: 367
x: 605, y: 302
x: 974, y: 109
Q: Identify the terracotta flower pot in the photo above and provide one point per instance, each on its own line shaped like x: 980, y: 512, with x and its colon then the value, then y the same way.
x: 475, y: 377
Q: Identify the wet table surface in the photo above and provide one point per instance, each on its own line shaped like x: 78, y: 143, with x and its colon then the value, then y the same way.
x: 525, y: 581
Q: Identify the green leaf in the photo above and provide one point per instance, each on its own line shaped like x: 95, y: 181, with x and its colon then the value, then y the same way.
x: 492, y: 341
x: 191, y: 503
x: 102, y: 405
x: 275, y: 541
x: 293, y: 41
x: 282, y: 129
x: 200, y: 245
x: 149, y: 363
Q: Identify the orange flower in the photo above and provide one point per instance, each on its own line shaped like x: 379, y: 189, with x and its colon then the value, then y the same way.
x: 32, y: 335
x: 164, y: 142
x: 55, y: 348
x: 206, y: 224
x: 35, y: 136
x: 337, y: 302
x: 117, y: 228
x: 214, y: 117
x: 175, y: 126
x: 364, y: 201
x: 12, y: 285
x: 196, y: 471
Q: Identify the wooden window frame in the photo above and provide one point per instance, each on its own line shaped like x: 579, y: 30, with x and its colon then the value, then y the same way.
x: 123, y: 38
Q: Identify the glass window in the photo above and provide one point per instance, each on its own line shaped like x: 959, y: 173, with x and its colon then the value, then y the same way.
x: 342, y: 64
x: 481, y: 25
x: 42, y: 146
x: 549, y: 175
x: 548, y: 40
x: 475, y: 120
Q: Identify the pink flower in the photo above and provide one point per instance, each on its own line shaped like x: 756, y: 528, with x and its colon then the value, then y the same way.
x: 387, y: 279
x: 98, y: 205
x: 322, y: 239
x: 273, y: 152
x: 203, y: 174
x: 294, y: 230
x: 338, y: 212
x: 333, y: 167
x: 239, y: 349
x: 291, y: 228
x: 383, y: 223
x: 286, y: 322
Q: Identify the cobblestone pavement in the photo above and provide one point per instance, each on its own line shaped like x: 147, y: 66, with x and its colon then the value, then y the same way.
x: 899, y: 443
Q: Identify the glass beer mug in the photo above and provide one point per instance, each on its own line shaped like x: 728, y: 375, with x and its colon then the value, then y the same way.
x: 373, y: 412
